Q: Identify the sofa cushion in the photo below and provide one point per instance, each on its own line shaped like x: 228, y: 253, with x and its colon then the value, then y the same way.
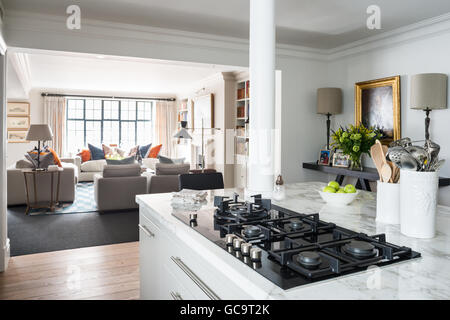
x: 126, y: 170
x: 24, y: 164
x: 85, y: 155
x: 171, y: 169
x: 129, y: 160
x: 154, y: 152
x: 145, y: 150
x: 150, y: 163
x: 45, y: 159
x: 133, y: 151
x: 167, y: 160
x: 55, y: 157
x: 93, y: 166
x: 96, y: 153
x: 107, y: 151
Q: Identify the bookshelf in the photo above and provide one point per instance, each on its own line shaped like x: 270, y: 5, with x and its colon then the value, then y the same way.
x: 241, y: 129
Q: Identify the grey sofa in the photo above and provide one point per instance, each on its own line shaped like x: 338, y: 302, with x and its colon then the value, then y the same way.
x: 16, y: 185
x: 166, y: 177
x: 118, y: 186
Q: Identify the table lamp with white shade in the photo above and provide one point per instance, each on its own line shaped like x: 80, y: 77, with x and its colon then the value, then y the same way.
x: 39, y: 132
x: 329, y: 102
x: 428, y: 92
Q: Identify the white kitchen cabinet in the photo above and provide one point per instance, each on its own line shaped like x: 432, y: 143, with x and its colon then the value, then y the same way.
x: 170, y: 269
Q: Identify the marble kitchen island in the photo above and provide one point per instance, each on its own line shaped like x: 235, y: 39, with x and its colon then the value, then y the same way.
x: 177, y: 262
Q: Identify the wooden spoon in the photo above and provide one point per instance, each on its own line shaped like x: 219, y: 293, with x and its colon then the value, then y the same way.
x: 377, y: 157
x: 386, y: 173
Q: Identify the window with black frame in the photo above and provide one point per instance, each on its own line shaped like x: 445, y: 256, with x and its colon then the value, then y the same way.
x: 121, y: 122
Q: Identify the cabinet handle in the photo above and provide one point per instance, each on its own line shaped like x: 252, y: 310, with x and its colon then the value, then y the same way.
x: 211, y: 294
x: 176, y: 295
x: 146, y: 231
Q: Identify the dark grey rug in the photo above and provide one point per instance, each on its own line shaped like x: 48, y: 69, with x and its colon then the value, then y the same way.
x: 44, y: 233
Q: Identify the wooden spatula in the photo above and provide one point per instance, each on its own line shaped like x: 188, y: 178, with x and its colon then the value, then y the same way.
x: 386, y: 173
x: 377, y: 157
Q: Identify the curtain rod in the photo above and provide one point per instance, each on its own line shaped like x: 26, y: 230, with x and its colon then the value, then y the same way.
x: 44, y: 94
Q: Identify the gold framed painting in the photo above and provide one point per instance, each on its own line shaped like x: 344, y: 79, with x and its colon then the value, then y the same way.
x: 18, y: 123
x: 17, y: 136
x: 21, y: 109
x: 377, y: 104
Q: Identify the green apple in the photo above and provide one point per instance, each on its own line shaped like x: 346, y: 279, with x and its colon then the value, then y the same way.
x: 350, y: 188
x: 341, y: 190
x: 329, y: 190
x: 334, y: 185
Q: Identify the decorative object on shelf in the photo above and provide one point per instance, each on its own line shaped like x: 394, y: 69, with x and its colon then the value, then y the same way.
x: 39, y: 132
x: 324, y: 157
x: 377, y: 105
x: 279, y: 191
x: 203, y: 112
x: 340, y: 159
x: 19, y: 109
x: 17, y: 136
x: 329, y: 102
x: 428, y: 92
x: 355, y: 141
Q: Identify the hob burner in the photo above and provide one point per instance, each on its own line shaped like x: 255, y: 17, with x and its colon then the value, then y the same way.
x: 252, y: 231
x: 309, y: 259
x: 360, y: 249
x: 233, y: 210
x: 296, y: 224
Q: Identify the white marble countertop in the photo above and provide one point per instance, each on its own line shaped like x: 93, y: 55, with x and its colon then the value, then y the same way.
x: 427, y: 277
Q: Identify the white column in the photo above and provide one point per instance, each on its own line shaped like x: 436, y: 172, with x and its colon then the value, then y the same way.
x: 262, y: 97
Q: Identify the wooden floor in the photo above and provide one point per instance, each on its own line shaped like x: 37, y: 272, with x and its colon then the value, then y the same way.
x: 103, y: 272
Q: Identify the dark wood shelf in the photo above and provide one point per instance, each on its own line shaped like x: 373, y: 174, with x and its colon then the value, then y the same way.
x: 368, y: 174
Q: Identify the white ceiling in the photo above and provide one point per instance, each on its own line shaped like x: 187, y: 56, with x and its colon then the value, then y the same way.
x: 315, y: 23
x: 67, y: 72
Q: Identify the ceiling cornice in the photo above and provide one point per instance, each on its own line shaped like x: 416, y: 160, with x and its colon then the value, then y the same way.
x: 21, y: 65
x: 26, y: 21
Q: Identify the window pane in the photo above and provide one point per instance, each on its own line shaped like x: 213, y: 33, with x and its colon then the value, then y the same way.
x: 111, y: 109
x: 75, y: 135
x: 128, y: 134
x: 93, y: 132
x: 144, y: 110
x: 128, y: 110
x: 75, y: 109
x: 144, y: 132
x: 111, y: 132
x: 93, y: 109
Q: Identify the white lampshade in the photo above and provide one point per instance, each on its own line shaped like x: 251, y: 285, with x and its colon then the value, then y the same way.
x: 429, y: 91
x: 182, y: 134
x: 329, y: 100
x: 39, y: 132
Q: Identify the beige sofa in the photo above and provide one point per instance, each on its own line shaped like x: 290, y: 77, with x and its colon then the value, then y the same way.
x: 116, y: 188
x: 166, y: 177
x: 16, y: 185
x: 87, y: 170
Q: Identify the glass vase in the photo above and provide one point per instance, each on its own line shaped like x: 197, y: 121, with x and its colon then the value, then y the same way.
x: 356, y: 164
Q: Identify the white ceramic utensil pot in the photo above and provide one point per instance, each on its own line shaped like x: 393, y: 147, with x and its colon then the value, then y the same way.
x: 418, y: 203
x: 388, y: 202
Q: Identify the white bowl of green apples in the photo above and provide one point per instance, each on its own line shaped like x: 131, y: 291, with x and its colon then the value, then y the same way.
x: 335, y: 195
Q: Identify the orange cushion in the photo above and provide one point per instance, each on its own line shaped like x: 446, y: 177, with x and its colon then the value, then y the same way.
x: 154, y: 151
x: 55, y: 156
x: 85, y: 155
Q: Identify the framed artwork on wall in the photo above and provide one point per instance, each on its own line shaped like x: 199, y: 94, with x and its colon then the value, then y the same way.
x: 17, y: 136
x: 21, y: 109
x: 203, y: 108
x: 18, y: 123
x: 377, y: 104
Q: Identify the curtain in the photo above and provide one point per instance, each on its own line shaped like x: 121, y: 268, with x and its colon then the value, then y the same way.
x: 55, y: 117
x: 165, y: 126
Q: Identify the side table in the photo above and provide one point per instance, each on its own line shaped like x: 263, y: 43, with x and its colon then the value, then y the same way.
x: 32, y: 174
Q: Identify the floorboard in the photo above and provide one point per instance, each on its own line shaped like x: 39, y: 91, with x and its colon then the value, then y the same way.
x: 108, y: 272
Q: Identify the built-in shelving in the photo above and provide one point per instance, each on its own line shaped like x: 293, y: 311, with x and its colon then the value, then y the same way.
x: 241, y: 127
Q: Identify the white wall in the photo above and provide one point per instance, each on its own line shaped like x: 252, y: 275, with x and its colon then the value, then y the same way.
x: 423, y: 55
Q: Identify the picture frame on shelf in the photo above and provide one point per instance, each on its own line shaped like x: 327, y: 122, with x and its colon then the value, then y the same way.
x: 377, y: 104
x: 325, y: 157
x: 341, y: 160
x: 20, y: 109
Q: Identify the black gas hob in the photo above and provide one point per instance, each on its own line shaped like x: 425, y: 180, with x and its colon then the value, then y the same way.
x: 289, y: 248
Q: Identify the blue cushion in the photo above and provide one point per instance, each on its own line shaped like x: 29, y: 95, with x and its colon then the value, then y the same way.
x: 96, y: 153
x: 129, y: 160
x: 144, y: 150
